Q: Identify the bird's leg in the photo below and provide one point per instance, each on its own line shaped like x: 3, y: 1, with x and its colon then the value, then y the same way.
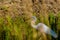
x: 44, y: 36
x: 42, y: 33
x: 39, y: 36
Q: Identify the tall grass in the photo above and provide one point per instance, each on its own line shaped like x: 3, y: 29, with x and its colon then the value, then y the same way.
x: 15, y: 18
x: 18, y: 29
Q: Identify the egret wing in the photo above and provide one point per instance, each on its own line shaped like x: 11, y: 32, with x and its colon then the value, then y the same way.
x: 52, y: 33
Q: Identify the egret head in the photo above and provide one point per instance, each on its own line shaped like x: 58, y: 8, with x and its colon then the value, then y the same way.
x: 34, y: 18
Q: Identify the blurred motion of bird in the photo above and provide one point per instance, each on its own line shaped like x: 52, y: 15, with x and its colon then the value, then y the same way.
x: 42, y: 27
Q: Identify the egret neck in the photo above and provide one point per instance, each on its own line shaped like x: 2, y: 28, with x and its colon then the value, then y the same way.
x: 33, y: 24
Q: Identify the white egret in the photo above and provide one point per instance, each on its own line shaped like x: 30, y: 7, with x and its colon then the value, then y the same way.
x: 42, y: 27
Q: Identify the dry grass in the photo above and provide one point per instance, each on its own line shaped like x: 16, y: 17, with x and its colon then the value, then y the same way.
x: 15, y: 18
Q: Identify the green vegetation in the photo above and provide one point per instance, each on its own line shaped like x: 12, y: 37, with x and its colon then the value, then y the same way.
x: 18, y: 29
x: 15, y: 18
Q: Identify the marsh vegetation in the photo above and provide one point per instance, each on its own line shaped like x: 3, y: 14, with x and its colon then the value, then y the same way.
x: 15, y: 18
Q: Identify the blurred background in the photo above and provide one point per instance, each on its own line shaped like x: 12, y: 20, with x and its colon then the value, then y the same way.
x: 15, y: 18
